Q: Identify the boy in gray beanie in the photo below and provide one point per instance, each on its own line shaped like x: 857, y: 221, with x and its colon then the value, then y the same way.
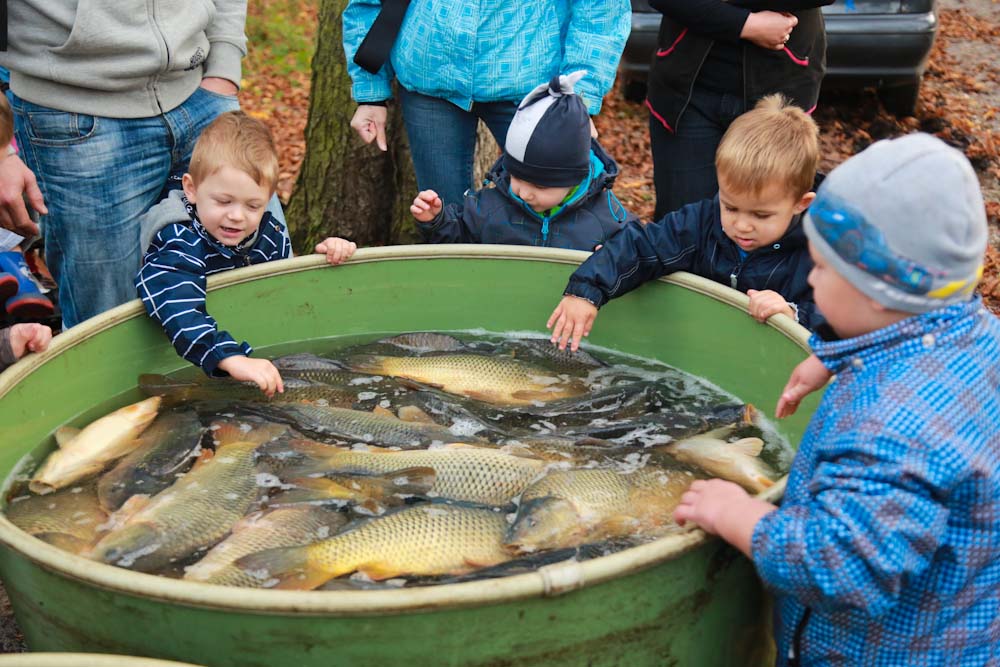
x: 886, y: 548
x: 551, y: 187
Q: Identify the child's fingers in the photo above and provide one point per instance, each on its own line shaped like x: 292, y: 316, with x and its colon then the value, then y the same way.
x: 41, y: 337
x: 578, y: 328
x: 552, y: 318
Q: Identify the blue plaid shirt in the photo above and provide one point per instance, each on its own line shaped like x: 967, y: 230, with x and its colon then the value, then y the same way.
x: 492, y: 50
x: 886, y: 549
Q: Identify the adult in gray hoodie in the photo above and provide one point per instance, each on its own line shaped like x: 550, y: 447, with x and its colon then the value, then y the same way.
x: 109, y: 98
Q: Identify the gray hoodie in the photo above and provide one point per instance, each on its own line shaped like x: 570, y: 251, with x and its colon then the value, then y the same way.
x: 121, y: 58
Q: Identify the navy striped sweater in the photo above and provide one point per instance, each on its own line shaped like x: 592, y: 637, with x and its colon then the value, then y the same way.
x: 171, y: 283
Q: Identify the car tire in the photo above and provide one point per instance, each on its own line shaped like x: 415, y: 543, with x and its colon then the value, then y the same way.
x: 634, y: 91
x: 900, y: 100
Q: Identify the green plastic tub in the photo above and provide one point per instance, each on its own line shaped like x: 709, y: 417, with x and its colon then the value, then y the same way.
x: 83, y: 660
x: 683, y: 600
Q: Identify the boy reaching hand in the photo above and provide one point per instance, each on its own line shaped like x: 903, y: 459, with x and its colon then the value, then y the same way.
x: 219, y: 222
x: 886, y: 548
x: 749, y: 237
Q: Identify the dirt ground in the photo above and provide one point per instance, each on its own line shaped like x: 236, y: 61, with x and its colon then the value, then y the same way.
x: 960, y: 101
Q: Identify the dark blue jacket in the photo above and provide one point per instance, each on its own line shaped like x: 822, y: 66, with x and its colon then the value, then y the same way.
x: 691, y: 239
x: 496, y: 215
x: 171, y: 282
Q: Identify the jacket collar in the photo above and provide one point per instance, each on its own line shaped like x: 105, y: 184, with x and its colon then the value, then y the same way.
x: 942, y: 326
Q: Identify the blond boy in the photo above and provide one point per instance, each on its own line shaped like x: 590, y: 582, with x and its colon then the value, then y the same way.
x: 749, y: 237
x: 218, y: 223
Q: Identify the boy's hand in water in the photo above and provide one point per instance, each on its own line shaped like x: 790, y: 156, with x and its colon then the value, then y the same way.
x: 259, y: 371
x: 807, y: 377
x: 765, y: 303
x: 336, y: 249
x: 572, y: 320
x: 26, y: 338
x: 426, y: 206
x: 722, y: 508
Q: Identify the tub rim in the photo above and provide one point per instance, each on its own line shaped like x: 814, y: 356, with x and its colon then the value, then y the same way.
x: 547, y: 581
x: 59, y: 659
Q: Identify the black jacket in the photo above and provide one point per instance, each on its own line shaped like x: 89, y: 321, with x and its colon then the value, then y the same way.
x: 691, y: 239
x: 496, y: 215
x: 689, y: 29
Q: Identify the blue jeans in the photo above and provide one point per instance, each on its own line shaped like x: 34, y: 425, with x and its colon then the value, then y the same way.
x: 684, y: 161
x: 443, y: 140
x: 98, y: 175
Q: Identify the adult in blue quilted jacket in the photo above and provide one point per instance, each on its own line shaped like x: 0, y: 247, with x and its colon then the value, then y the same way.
x: 458, y: 62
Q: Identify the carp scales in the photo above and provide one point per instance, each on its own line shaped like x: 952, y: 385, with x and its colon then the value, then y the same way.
x: 461, y: 472
x: 564, y: 361
x: 282, y: 527
x: 196, y: 511
x: 312, y: 368
x: 424, y: 341
x: 424, y: 539
x: 93, y: 448
x: 360, y: 426
x: 491, y: 379
x: 737, y: 461
x: 571, y: 507
x: 222, y: 389
x: 166, y: 448
x: 71, y: 518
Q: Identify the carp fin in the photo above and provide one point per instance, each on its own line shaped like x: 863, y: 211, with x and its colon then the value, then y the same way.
x: 65, y: 434
x: 411, y: 413
x: 284, y: 569
x: 383, y: 412
x: 748, y: 446
x: 379, y: 571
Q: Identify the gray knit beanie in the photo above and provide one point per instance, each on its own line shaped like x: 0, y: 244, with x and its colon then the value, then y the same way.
x: 548, y: 142
x: 904, y: 222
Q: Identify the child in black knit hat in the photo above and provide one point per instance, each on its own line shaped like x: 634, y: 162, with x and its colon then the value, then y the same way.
x: 551, y: 187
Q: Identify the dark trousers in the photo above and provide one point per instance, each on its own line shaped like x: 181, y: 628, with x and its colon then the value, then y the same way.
x: 684, y: 160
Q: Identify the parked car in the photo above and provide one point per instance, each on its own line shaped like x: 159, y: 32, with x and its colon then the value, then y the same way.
x: 881, y: 43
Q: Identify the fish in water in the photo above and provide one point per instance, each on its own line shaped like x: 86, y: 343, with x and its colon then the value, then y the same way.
x: 424, y: 341
x: 572, y: 507
x: 423, y: 539
x: 281, y: 527
x: 93, y: 448
x: 380, y: 427
x: 369, y: 494
x: 224, y: 389
x: 198, y: 510
x: 166, y: 448
x: 564, y: 361
x: 491, y: 379
x: 482, y: 475
x: 737, y: 461
x: 71, y: 518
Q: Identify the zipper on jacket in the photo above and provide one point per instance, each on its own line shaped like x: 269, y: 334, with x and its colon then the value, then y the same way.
x: 545, y: 230
x: 795, y: 650
x: 677, y: 121
x: 734, y: 275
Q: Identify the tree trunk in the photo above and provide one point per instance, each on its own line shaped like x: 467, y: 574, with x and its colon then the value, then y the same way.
x: 347, y: 188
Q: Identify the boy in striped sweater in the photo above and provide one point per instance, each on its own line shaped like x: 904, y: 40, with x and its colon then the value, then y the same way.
x: 218, y: 222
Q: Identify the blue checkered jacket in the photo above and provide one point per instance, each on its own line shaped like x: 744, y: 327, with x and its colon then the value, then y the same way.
x: 492, y: 50
x: 171, y: 282
x: 886, y: 548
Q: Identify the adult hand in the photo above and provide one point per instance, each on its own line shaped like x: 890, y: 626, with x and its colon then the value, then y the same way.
x: 369, y: 123
x: 26, y: 338
x: 16, y: 182
x: 259, y: 371
x: 336, y: 249
x: 219, y: 85
x: 426, y: 206
x: 806, y: 378
x: 765, y: 303
x: 769, y: 30
x: 573, y: 319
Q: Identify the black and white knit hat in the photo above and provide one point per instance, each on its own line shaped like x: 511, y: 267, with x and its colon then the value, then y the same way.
x: 548, y: 142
